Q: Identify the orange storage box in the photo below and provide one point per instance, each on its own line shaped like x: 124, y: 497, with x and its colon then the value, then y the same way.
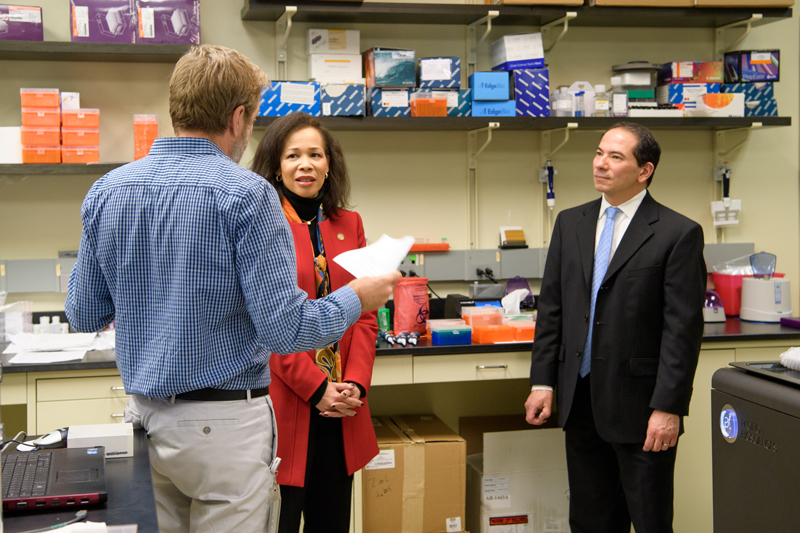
x: 429, y: 107
x: 80, y: 154
x: 430, y: 247
x: 80, y: 136
x: 41, y: 116
x: 81, y: 118
x: 40, y: 135
x: 41, y: 154
x: 729, y: 288
x: 487, y: 319
x: 39, y: 98
x: 492, y: 334
x: 523, y: 331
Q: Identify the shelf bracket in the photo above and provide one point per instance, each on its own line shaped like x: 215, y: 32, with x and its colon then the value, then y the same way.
x: 472, y: 179
x: 545, y: 29
x: 546, y: 139
x: 473, y: 42
x: 719, y: 36
x: 283, y: 26
x: 719, y: 144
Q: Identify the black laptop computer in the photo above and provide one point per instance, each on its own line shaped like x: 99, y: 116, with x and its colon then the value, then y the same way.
x: 60, y: 477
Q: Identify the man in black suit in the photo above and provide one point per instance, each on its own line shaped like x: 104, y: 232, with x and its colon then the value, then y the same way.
x: 619, y: 330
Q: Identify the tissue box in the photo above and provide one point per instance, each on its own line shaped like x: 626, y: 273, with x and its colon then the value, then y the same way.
x: 684, y: 93
x: 388, y: 67
x: 345, y: 42
x: 483, y: 108
x: 342, y: 100
x: 440, y: 72
x: 531, y: 89
x: 168, y: 21
x: 102, y: 21
x: 691, y: 72
x: 117, y: 438
x: 519, y: 51
x: 746, y: 66
x: 490, y: 86
x: 459, y: 103
x: 389, y: 103
x: 284, y: 97
x: 759, y: 98
x: 718, y: 105
x: 331, y: 68
x: 21, y: 23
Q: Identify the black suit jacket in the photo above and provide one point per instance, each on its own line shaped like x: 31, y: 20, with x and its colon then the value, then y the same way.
x: 648, y: 317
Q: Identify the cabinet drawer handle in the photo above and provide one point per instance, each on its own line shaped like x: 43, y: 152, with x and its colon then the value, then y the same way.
x: 117, y: 416
x: 484, y: 367
x: 117, y: 388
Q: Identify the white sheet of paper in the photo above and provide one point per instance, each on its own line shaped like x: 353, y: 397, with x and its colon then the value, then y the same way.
x: 377, y: 259
x: 51, y: 342
x: 26, y: 358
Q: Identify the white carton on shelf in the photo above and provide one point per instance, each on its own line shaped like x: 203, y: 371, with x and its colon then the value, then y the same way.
x: 333, y: 41
x: 333, y: 68
x: 117, y: 438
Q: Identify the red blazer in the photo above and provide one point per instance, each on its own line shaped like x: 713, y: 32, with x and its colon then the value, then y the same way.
x: 295, y: 377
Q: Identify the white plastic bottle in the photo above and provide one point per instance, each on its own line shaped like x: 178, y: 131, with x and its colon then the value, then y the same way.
x: 619, y: 98
x: 602, y: 106
x: 55, y: 325
x: 564, y: 103
x: 44, y: 322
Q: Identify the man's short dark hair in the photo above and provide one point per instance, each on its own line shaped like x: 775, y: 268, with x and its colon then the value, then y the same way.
x: 646, y: 150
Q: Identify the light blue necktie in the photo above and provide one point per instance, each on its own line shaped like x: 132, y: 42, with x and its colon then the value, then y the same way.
x: 600, y: 268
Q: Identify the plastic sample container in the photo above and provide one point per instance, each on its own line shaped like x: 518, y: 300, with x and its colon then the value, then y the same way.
x: 468, y: 312
x: 145, y: 131
x: 729, y: 288
x: 39, y: 98
x: 492, y: 334
x: 80, y: 154
x: 41, y: 154
x: 80, y: 118
x: 523, y: 331
x: 80, y: 136
x: 40, y: 135
x: 451, y: 336
x: 41, y: 116
x: 486, y: 319
x: 428, y: 107
x: 443, y: 323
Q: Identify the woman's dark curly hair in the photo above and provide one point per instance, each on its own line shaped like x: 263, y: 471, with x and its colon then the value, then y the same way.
x: 267, y: 161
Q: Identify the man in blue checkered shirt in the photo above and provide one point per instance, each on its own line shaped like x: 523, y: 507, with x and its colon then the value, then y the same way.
x: 190, y: 254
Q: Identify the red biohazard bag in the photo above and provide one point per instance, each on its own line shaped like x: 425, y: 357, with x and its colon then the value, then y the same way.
x: 411, y: 307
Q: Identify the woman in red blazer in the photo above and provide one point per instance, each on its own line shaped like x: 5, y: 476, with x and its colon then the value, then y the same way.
x: 318, y: 394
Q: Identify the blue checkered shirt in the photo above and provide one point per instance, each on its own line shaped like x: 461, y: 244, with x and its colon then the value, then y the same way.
x: 192, y: 257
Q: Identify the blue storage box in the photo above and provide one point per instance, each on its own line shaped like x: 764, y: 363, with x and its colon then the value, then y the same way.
x: 747, y: 66
x: 342, y: 100
x: 520, y: 51
x: 459, y: 103
x: 485, y: 108
x: 286, y: 97
x: 490, y: 86
x: 532, y: 92
x: 759, y: 98
x: 450, y: 337
x: 440, y: 72
x: 389, y: 103
x: 684, y: 93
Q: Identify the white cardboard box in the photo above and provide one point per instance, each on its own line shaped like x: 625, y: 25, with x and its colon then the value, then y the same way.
x: 333, y: 42
x: 519, y: 483
x: 328, y: 68
x: 117, y: 438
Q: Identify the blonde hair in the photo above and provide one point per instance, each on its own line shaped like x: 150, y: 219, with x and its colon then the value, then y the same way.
x: 208, y: 84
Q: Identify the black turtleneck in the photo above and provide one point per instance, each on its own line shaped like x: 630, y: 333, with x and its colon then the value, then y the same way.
x: 306, y: 209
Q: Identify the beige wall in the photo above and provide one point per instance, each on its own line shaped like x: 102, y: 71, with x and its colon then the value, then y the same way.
x: 415, y: 182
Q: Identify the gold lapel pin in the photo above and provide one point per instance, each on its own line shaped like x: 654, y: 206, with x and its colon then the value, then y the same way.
x: 340, y: 236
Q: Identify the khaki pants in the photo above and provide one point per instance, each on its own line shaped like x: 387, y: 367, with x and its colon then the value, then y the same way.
x: 209, y: 462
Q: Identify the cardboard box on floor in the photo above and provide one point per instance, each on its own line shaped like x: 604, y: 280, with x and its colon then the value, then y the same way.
x: 519, y: 483
x: 417, y: 483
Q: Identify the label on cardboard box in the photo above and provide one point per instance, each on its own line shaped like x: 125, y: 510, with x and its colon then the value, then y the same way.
x: 760, y: 58
x: 512, y: 524
x: 454, y: 525
x: 147, y: 22
x: 435, y: 69
x: 497, y: 492
x: 394, y: 99
x: 80, y: 21
x: 24, y: 14
x: 297, y: 94
x: 384, y: 459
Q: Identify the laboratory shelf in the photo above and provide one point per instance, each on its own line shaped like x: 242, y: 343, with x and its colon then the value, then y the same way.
x: 60, y: 168
x: 94, y: 52
x: 526, y: 123
x: 607, y: 16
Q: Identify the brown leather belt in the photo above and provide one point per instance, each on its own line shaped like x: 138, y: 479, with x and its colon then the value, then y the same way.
x: 220, y: 395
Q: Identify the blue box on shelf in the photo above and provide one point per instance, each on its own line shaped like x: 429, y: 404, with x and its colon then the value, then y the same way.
x: 286, y: 97
x: 440, y: 72
x: 532, y: 92
x: 759, y: 98
x: 485, y: 108
x: 342, y: 100
x: 459, y: 103
x: 450, y: 337
x: 490, y: 86
x: 747, y: 66
x: 684, y: 93
x: 389, y: 103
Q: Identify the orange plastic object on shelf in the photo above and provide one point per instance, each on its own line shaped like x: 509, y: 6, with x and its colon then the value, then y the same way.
x: 41, y: 154
x: 40, y: 135
x: 80, y: 136
x: 491, y: 319
x: 145, y: 131
x: 430, y: 247
x: 523, y: 331
x: 80, y: 118
x: 80, y: 154
x: 41, y: 116
x: 492, y: 334
x: 39, y: 98
x: 429, y: 107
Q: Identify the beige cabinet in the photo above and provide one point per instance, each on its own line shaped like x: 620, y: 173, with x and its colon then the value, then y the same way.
x: 472, y: 367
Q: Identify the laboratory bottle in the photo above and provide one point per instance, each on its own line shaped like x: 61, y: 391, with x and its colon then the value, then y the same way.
x: 619, y: 98
x: 55, y: 325
x: 602, y: 107
x: 564, y: 103
x: 579, y: 96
